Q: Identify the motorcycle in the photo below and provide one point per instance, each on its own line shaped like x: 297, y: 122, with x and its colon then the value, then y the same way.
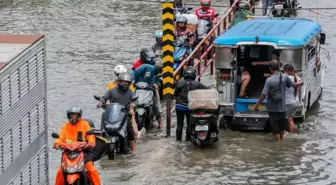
x: 73, y: 167
x: 180, y: 11
x: 180, y: 54
x: 204, y: 129
x: 114, y: 126
x: 204, y: 26
x: 204, y: 105
x: 102, y: 142
x: 281, y: 9
x: 144, y: 113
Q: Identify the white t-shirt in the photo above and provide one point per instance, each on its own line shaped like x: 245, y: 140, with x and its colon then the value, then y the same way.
x: 290, y: 98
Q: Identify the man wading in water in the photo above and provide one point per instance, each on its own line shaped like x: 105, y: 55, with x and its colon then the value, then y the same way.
x: 276, y: 99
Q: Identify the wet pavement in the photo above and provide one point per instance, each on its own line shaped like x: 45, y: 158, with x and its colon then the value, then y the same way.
x: 86, y: 39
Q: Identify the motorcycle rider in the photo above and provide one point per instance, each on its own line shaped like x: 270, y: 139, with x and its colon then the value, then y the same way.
x: 146, y: 57
x: 206, y: 11
x: 117, y: 71
x: 179, y: 5
x: 147, y: 73
x: 181, y: 93
x: 69, y: 133
x: 183, y: 34
x: 157, y: 47
x: 242, y: 13
x: 122, y: 95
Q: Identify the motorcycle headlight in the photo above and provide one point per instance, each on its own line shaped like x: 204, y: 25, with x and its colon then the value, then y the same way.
x: 180, y: 58
x: 75, y: 168
x: 72, y: 169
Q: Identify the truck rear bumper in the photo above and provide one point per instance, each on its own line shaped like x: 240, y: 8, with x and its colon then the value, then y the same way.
x: 250, y: 121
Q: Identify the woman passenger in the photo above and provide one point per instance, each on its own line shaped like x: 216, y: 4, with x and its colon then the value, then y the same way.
x: 291, y: 96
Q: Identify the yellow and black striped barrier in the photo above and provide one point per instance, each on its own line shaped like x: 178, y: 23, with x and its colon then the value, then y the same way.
x: 167, y: 55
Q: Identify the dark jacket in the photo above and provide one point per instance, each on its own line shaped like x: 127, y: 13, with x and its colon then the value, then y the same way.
x: 182, y: 89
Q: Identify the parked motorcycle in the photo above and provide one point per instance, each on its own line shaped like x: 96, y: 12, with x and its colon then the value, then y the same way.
x: 114, y: 126
x: 204, y: 129
x: 144, y: 113
x: 73, y: 167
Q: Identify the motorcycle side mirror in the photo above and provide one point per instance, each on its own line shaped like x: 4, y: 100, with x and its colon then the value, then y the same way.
x: 54, y: 135
x: 322, y: 38
x: 190, y: 8
x: 90, y: 132
x: 96, y: 97
x: 135, y: 98
x: 216, y: 15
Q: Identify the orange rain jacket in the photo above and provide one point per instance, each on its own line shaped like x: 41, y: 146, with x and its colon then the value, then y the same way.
x: 69, y: 133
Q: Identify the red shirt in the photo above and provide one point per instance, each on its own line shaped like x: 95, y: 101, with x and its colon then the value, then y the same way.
x: 209, y: 13
x: 136, y: 64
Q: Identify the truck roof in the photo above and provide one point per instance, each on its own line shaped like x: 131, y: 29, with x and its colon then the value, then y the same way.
x: 12, y: 45
x: 281, y: 31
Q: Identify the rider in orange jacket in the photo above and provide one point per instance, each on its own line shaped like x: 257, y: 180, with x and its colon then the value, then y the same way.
x: 69, y: 133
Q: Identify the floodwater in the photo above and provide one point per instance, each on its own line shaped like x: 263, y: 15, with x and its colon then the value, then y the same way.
x: 86, y: 39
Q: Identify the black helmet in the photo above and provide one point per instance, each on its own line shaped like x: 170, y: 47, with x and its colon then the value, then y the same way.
x: 124, y: 81
x: 147, y: 55
x: 74, y: 110
x: 158, y: 68
x: 189, y: 73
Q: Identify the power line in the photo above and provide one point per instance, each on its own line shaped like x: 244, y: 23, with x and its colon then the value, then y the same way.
x: 227, y: 6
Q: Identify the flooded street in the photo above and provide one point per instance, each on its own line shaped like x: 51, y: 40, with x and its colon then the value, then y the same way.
x: 86, y: 39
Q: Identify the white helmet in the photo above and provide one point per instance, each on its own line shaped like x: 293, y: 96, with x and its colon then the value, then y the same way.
x: 119, y: 69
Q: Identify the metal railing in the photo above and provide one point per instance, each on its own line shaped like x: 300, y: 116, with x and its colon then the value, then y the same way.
x: 205, y: 50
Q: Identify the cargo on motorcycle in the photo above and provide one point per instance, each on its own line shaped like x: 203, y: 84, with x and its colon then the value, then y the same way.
x: 204, y: 116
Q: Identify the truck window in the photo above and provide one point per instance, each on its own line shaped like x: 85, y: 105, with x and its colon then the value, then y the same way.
x: 292, y: 56
x: 311, y: 48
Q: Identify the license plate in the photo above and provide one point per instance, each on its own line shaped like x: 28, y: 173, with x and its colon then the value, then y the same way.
x: 278, y: 6
x: 202, y: 128
x: 261, y: 107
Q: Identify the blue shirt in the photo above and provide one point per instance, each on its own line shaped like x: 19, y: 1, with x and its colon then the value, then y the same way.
x: 144, y: 73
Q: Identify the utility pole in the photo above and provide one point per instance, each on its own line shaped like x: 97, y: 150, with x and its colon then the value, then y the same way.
x: 167, y: 57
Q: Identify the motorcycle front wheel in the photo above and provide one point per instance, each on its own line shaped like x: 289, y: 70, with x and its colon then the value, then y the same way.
x: 141, y: 121
x: 111, y: 151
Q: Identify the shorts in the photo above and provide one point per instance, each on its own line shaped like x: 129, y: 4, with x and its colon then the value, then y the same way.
x: 130, y: 131
x: 277, y: 121
x: 291, y: 108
